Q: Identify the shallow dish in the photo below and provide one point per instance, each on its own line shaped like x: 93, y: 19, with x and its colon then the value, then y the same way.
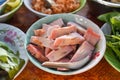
x: 15, y: 42
x: 29, y: 6
x: 66, y: 18
x: 110, y: 58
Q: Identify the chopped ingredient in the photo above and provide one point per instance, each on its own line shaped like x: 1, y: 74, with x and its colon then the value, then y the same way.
x: 59, y: 6
x: 9, y: 61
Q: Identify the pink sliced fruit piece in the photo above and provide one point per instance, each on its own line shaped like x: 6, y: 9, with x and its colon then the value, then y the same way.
x: 71, y: 39
x: 35, y: 40
x: 42, y: 42
x: 91, y: 36
x: 65, y: 59
x: 68, y: 65
x: 49, y: 30
x: 62, y: 31
x: 39, y: 32
x: 45, y: 26
x: 46, y: 42
x: 47, y: 51
x: 80, y: 29
x: 57, y: 22
x: 84, y: 50
x: 36, y: 52
x: 56, y: 55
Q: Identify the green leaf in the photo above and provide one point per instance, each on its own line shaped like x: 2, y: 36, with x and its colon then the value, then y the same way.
x: 9, y: 61
x: 4, y: 46
x: 115, y: 49
x: 115, y: 21
x: 112, y: 59
x: 3, y: 55
x: 106, y: 17
x: 112, y: 18
x: 112, y: 54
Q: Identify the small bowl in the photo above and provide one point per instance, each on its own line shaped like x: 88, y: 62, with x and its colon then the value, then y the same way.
x: 108, y: 3
x: 101, y: 45
x: 110, y: 58
x: 9, y: 14
x: 14, y: 38
x: 29, y: 6
x: 2, y: 4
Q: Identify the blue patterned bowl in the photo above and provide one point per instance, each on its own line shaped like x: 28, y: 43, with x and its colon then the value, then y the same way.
x: 14, y: 38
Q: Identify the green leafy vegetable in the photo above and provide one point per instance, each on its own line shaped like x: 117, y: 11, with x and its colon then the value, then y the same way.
x: 106, y: 17
x: 112, y: 18
x: 9, y: 61
x: 114, y: 43
x: 111, y: 58
x: 115, y: 23
x: 113, y: 39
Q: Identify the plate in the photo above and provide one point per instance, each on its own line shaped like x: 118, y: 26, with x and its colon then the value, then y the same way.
x: 14, y: 38
x: 110, y: 58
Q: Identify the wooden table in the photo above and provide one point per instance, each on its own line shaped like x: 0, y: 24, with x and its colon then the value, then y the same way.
x: 102, y: 71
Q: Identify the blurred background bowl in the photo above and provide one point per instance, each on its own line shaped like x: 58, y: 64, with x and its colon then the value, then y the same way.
x: 28, y: 4
x: 6, y: 16
x: 97, y: 9
x: 100, y: 49
x: 108, y: 3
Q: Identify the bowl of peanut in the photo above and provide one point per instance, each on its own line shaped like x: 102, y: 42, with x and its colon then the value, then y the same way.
x: 48, y: 7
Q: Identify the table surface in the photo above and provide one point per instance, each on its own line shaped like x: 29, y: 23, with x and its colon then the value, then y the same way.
x: 23, y: 19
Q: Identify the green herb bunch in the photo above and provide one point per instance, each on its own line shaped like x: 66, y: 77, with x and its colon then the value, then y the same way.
x: 113, y: 39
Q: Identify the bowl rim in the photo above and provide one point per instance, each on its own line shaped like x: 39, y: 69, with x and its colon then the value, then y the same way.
x: 12, y: 11
x: 43, y: 14
x: 110, y: 4
x: 73, y: 72
x: 81, y: 6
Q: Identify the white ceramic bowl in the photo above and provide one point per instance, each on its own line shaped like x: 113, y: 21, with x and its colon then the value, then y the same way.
x: 101, y: 46
x: 15, y: 43
x: 107, y: 3
x: 9, y: 14
x: 28, y: 5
